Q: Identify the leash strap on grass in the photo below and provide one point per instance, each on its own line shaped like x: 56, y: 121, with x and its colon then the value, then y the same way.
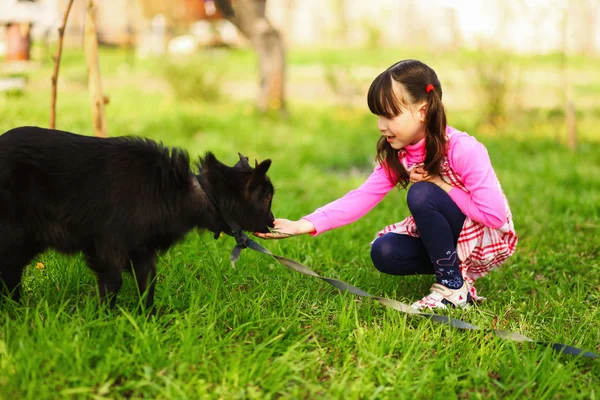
x: 245, y: 242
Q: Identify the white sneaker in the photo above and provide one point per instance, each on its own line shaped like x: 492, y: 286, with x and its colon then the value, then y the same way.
x: 458, y: 298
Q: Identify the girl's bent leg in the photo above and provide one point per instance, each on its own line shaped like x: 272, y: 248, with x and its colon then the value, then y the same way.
x: 397, y: 254
x: 439, y: 222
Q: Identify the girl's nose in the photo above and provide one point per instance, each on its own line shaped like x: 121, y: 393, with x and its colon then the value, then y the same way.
x: 381, y: 125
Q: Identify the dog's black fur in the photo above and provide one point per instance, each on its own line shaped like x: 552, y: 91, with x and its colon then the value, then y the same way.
x: 118, y: 200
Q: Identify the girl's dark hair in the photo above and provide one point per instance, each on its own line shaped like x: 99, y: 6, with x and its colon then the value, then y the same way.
x: 412, y: 77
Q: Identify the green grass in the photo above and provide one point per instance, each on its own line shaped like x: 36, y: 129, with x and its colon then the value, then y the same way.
x: 263, y: 331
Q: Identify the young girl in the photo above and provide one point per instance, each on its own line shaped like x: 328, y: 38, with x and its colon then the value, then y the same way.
x: 461, y: 225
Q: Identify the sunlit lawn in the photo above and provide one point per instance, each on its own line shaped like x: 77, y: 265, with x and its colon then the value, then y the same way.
x: 263, y: 331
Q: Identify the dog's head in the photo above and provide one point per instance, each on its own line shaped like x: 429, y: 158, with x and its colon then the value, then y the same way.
x: 243, y: 192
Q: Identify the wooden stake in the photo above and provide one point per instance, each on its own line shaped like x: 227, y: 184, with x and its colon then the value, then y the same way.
x: 61, y: 34
x: 94, y: 82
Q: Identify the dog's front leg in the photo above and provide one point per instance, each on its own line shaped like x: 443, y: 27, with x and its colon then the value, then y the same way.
x: 13, y: 261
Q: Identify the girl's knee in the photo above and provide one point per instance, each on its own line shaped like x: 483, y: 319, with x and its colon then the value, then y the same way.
x: 383, y: 254
x: 378, y: 250
x: 420, y: 194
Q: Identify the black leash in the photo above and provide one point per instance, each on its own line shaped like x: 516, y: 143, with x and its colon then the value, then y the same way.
x: 244, y: 242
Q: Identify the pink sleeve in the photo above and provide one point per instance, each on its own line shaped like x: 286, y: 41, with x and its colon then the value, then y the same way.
x: 485, y: 202
x: 353, y: 205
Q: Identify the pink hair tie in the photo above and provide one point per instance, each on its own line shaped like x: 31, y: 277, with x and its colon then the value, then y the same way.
x: 429, y: 88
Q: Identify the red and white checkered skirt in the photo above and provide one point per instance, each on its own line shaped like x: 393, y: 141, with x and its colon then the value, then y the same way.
x: 480, y: 248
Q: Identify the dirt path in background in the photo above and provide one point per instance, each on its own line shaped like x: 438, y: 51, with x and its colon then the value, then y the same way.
x: 541, y: 89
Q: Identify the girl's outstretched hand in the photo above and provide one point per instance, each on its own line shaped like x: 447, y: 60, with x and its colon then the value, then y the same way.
x: 284, y: 228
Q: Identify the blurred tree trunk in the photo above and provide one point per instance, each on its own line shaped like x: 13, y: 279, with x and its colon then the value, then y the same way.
x: 343, y: 27
x: 570, y: 118
x: 249, y: 17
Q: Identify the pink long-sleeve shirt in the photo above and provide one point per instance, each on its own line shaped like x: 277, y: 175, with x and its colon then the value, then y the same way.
x: 467, y: 157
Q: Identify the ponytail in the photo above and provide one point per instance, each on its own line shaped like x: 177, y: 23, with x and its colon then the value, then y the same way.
x: 436, y: 142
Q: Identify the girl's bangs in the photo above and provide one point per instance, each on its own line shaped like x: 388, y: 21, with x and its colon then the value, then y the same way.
x: 382, y: 99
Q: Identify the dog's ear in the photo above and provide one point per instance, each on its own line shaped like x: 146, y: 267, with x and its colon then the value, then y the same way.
x: 262, y: 168
x: 258, y: 175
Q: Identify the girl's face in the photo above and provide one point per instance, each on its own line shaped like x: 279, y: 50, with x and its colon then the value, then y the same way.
x: 406, y: 128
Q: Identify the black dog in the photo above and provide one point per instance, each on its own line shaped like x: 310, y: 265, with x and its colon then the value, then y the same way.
x: 118, y: 200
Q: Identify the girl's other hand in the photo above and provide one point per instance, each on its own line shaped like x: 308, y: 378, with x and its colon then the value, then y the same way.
x: 418, y: 174
x: 284, y: 228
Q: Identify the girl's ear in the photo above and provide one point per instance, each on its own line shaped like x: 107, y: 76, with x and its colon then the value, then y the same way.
x: 422, y: 111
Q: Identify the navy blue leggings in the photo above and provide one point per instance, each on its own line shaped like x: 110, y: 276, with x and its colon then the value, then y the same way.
x: 439, y: 222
